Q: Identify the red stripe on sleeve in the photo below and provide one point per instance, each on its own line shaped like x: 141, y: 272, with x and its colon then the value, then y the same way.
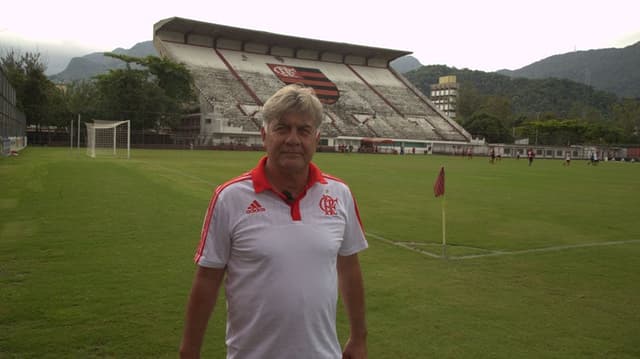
x: 207, y: 219
x: 355, y: 205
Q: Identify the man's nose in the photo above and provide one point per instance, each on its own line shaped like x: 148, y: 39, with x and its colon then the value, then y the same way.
x: 293, y: 137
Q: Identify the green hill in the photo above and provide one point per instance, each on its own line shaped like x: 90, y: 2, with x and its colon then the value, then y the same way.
x: 612, y: 70
x: 559, y: 96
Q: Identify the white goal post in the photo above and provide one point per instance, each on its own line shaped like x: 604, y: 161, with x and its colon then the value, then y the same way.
x: 110, y: 138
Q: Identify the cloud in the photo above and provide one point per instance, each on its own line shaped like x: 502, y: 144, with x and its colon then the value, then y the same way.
x: 54, y: 54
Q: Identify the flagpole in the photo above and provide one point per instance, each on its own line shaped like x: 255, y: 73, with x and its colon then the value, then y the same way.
x: 444, y: 226
x: 438, y: 190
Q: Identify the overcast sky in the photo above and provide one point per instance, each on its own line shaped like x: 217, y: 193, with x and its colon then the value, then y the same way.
x: 483, y: 35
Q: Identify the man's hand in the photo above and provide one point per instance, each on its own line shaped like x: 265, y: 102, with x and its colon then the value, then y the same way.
x: 355, y: 349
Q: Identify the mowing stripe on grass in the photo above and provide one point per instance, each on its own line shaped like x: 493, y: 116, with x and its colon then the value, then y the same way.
x: 186, y: 175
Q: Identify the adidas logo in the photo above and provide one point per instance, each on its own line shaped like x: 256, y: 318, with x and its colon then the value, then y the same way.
x: 255, y: 207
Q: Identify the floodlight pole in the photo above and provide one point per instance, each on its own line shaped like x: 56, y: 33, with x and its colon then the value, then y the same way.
x: 71, y: 136
x: 128, y: 139
x: 78, y: 131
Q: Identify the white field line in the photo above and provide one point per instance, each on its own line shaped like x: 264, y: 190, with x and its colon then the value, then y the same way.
x: 548, y: 249
x: 402, y: 245
x: 408, y: 245
x: 452, y: 245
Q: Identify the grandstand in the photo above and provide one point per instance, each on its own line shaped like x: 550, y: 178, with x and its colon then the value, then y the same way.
x: 236, y: 70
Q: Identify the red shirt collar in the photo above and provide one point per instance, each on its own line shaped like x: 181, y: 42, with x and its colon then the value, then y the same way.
x: 260, y: 182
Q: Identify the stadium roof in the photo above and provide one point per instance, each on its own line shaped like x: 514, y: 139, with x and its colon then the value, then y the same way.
x: 215, y: 31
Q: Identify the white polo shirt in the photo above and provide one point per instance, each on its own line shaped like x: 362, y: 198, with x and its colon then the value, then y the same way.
x: 281, y: 284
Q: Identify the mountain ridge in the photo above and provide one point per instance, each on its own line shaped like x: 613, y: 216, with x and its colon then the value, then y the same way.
x: 612, y: 70
x: 96, y: 63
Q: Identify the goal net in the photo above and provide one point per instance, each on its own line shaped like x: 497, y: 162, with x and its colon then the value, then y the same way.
x: 109, y: 138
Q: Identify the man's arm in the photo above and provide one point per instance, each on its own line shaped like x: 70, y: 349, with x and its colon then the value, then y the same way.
x: 202, y: 300
x: 352, y: 290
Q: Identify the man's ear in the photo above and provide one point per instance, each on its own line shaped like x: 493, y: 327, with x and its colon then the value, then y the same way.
x: 262, y: 133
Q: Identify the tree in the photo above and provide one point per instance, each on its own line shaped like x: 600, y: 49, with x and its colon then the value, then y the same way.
x: 626, y: 115
x: 598, y: 133
x: 567, y: 132
x: 26, y: 73
x: 82, y: 97
x: 469, y: 101
x: 57, y: 111
x: 41, y: 101
x: 127, y: 95
x: 173, y: 78
x: 12, y: 65
x: 499, y: 107
x: 490, y: 127
x: 153, y: 95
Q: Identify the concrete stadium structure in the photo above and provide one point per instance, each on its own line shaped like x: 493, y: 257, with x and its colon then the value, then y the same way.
x: 236, y: 70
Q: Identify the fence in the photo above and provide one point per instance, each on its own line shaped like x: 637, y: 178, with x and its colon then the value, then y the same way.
x: 13, y: 123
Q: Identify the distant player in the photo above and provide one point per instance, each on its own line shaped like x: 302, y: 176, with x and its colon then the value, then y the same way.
x: 530, y: 156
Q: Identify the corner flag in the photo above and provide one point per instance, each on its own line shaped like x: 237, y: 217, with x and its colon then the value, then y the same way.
x: 438, y: 190
x: 438, y: 187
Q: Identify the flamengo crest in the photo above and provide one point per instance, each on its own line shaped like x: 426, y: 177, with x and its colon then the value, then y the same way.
x: 325, y: 89
x: 328, y: 205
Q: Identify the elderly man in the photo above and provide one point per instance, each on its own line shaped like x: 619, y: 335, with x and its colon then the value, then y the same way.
x: 287, y: 236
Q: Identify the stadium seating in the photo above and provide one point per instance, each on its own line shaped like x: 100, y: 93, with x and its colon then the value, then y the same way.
x: 372, y: 102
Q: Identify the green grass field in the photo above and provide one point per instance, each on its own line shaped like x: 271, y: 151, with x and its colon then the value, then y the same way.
x: 543, y: 261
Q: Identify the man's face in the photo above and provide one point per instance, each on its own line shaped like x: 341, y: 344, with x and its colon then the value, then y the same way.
x: 290, y: 142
